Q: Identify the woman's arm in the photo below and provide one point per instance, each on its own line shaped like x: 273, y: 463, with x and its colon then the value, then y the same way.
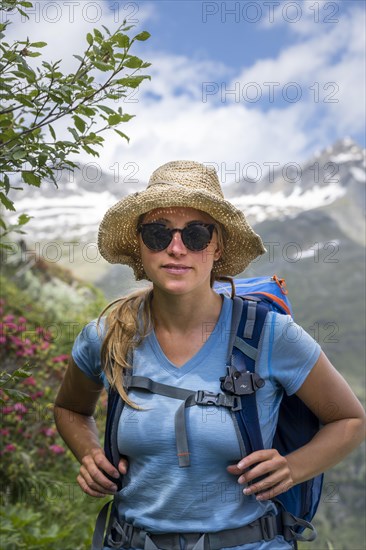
x: 328, y: 395
x: 74, y: 408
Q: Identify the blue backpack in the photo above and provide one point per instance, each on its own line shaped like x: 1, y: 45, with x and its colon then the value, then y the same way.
x: 297, y: 425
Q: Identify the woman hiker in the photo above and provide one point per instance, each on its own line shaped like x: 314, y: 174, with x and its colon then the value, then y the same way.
x: 182, y: 235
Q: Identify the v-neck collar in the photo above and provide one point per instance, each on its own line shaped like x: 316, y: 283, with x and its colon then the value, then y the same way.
x: 201, y: 354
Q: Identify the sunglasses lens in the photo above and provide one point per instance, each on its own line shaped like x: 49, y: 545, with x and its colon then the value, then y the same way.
x: 197, y: 236
x: 155, y: 236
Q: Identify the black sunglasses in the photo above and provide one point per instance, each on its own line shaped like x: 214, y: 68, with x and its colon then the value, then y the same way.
x: 195, y: 236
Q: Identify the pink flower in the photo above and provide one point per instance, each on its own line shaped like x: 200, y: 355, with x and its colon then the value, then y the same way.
x: 60, y: 358
x: 8, y: 318
x: 31, y: 381
x: 22, y: 320
x: 57, y: 449
x: 10, y: 448
x: 4, y: 431
x: 49, y: 432
x: 36, y: 395
x: 2, y: 339
x: 7, y: 410
x: 20, y: 408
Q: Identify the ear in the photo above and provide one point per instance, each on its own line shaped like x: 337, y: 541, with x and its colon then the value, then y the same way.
x: 217, y: 254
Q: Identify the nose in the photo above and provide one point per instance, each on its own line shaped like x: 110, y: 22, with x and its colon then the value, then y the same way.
x: 176, y: 245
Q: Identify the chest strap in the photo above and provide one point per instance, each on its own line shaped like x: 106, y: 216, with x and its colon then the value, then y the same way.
x: 189, y: 398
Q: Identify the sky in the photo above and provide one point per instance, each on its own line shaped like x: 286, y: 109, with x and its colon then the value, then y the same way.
x: 233, y: 83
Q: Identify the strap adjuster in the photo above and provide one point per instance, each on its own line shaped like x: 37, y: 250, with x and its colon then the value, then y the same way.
x: 269, y: 527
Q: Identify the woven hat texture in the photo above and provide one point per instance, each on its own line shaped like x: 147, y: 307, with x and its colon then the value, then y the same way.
x: 179, y: 184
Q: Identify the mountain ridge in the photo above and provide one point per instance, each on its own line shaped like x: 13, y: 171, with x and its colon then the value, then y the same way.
x: 333, y: 179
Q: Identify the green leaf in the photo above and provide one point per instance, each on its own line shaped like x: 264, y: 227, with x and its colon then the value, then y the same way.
x: 126, y: 117
x: 90, y: 151
x: 131, y: 81
x: 33, y: 54
x: 144, y: 35
x: 6, y: 183
x: 121, y: 134
x: 42, y: 159
x: 90, y: 39
x: 106, y: 109
x: 122, y: 40
x: 79, y: 123
x: 31, y: 178
x: 52, y: 131
x: 74, y: 134
x: 9, y: 205
x: 114, y: 119
x: 23, y: 219
x: 20, y: 154
x: 38, y: 44
x: 86, y: 111
x: 133, y: 62
x: 102, y: 66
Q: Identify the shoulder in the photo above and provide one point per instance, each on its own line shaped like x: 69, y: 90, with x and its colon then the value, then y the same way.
x: 288, y: 353
x: 86, y: 350
x: 283, y: 331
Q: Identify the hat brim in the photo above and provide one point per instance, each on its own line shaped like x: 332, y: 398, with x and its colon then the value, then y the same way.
x: 118, y: 241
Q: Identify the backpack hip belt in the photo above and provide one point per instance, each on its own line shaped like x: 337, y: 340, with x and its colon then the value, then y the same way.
x: 125, y: 535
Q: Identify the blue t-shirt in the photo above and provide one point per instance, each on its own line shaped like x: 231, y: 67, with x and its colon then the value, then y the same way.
x: 159, y: 496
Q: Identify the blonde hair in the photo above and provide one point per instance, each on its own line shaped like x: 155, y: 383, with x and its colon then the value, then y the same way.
x: 129, y: 322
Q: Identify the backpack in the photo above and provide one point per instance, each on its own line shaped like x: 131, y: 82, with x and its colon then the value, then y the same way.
x: 254, y: 298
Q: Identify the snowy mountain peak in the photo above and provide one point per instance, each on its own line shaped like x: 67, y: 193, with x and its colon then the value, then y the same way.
x: 74, y: 209
x: 326, y: 178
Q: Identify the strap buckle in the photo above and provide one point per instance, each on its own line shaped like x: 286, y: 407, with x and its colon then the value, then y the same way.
x: 269, y: 527
x: 232, y: 402
x: 120, y: 535
x: 203, y: 397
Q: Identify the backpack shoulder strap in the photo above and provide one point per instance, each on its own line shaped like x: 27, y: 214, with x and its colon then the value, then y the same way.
x: 243, y: 356
x: 114, y: 410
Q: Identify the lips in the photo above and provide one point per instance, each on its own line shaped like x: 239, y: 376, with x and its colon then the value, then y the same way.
x: 176, y: 268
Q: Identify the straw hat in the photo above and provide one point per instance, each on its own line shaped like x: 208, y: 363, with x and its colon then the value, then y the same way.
x: 178, y: 184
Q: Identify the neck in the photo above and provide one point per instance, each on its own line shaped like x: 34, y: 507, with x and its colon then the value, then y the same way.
x: 182, y: 313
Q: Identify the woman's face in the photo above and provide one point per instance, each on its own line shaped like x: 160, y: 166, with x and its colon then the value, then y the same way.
x: 176, y: 269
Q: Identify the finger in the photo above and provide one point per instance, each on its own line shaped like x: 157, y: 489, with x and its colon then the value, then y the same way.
x: 97, y: 481
x: 257, y: 456
x: 123, y: 465
x: 233, y: 469
x: 86, y: 489
x: 273, y: 491
x: 265, y: 468
x: 93, y: 470
x: 267, y: 483
x: 103, y: 464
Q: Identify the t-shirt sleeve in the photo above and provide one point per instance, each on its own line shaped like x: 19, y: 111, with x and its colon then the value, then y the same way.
x: 86, y: 351
x: 292, y: 352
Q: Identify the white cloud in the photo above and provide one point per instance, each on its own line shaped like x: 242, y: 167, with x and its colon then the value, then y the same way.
x: 180, y: 125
